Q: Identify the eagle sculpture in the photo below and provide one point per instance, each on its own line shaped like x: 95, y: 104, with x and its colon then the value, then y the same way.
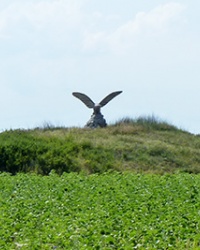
x: 96, y: 119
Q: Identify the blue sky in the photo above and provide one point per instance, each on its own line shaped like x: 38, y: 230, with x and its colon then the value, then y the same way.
x: 148, y: 49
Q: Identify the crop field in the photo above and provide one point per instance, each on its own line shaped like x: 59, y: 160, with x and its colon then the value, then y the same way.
x: 100, y: 211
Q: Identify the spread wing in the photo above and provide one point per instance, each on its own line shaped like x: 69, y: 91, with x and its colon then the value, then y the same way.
x: 109, y: 98
x: 85, y: 99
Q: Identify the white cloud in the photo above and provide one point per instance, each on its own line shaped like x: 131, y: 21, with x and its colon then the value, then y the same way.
x: 39, y: 23
x: 155, y: 22
x: 159, y: 18
x: 92, y: 40
x: 57, y: 14
x: 41, y: 14
x: 51, y: 25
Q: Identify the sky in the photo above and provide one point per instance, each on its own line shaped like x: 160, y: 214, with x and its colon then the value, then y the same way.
x: 50, y: 48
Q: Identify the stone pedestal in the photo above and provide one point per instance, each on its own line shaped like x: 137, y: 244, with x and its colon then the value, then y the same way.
x: 96, y: 121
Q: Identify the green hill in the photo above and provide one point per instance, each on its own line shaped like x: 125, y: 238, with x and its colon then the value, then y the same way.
x: 141, y: 145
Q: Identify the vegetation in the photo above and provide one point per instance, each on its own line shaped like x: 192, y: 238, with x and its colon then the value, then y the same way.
x: 140, y: 145
x: 107, y: 211
x: 111, y: 188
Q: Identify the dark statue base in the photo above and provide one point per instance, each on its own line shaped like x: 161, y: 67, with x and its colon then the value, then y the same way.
x: 96, y: 121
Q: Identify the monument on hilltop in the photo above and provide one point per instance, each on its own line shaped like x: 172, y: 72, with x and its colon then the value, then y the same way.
x: 96, y: 119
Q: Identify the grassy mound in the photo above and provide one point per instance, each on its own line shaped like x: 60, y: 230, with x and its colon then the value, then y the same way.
x: 138, y: 145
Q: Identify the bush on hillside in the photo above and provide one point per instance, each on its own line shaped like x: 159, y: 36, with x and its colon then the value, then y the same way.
x: 22, y: 152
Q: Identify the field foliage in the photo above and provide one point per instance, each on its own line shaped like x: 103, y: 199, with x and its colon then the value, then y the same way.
x: 100, y: 211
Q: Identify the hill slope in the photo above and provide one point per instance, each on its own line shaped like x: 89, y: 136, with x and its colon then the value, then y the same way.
x: 142, y: 145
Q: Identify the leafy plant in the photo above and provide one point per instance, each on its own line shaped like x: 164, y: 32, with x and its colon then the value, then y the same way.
x: 99, y: 211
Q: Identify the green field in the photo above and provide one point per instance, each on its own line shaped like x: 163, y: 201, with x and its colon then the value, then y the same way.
x: 100, y: 211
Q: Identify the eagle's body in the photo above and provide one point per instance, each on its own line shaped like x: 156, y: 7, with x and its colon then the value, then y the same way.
x: 97, y: 109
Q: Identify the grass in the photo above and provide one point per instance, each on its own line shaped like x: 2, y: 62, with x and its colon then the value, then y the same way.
x: 145, y: 144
